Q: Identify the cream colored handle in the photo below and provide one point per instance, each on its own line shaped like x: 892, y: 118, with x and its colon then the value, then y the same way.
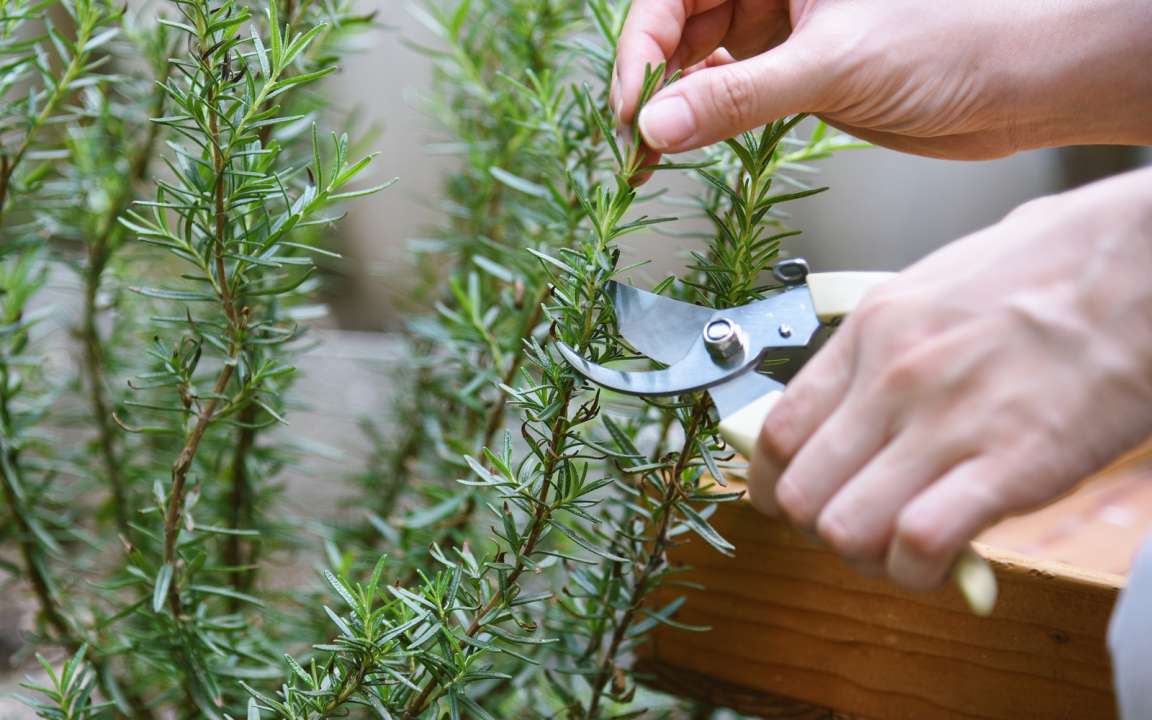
x: 741, y: 428
x: 976, y: 580
x: 834, y: 295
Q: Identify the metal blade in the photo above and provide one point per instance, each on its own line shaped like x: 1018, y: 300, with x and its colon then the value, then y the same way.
x: 741, y: 390
x: 781, y: 327
x: 662, y: 328
x: 695, y: 371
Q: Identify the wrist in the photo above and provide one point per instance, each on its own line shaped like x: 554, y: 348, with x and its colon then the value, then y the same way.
x: 1081, y: 76
x: 1117, y: 261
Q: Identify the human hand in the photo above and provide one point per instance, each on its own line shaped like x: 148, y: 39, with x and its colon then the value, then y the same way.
x: 966, y: 79
x: 984, y: 380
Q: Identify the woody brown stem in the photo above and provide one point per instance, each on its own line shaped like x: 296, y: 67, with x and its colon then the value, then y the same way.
x: 239, y: 551
x: 638, y: 589
x: 174, y: 515
x: 540, y: 517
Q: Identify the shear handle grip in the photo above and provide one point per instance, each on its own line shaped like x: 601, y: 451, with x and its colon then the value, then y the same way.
x: 834, y: 295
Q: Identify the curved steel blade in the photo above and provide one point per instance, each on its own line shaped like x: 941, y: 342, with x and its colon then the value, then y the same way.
x: 733, y: 394
x: 695, y: 371
x: 665, y: 329
x: 780, y: 327
x: 659, y: 327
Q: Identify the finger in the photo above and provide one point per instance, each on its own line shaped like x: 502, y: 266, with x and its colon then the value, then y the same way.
x: 702, y: 36
x: 933, y: 529
x: 859, y: 520
x: 716, y: 59
x: 648, y: 159
x: 650, y: 36
x: 757, y: 27
x: 721, y: 102
x: 855, y: 432
x: 807, y: 402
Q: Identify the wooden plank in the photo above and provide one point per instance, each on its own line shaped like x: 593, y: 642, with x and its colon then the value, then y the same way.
x: 1100, y: 526
x: 711, y: 691
x: 789, y: 619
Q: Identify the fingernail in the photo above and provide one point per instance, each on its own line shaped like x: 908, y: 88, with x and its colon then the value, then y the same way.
x: 911, y: 570
x: 618, y: 106
x: 667, y: 123
x: 789, y: 497
x: 832, y: 529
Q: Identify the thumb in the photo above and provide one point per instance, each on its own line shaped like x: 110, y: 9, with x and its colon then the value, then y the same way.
x: 717, y: 103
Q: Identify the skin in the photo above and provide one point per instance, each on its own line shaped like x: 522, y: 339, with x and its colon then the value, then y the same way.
x: 989, y: 377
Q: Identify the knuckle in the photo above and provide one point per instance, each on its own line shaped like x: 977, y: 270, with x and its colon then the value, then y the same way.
x: 778, y: 433
x: 1010, y: 492
x: 732, y: 95
x: 844, y: 538
x: 923, y: 539
x: 791, y: 501
x: 910, y: 369
x: 877, y: 307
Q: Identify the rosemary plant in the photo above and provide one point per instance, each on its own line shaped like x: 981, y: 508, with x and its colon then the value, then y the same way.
x: 212, y: 99
x: 517, y: 518
x: 532, y: 596
x: 41, y: 66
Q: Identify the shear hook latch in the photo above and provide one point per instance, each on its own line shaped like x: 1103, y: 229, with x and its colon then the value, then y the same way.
x: 791, y: 272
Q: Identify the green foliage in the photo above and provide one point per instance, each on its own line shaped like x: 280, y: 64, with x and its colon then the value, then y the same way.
x: 69, y: 692
x: 570, y: 498
x: 212, y: 100
x: 514, y: 523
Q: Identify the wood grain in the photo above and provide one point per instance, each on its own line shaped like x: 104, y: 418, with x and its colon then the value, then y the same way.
x: 789, y: 619
x: 797, y: 634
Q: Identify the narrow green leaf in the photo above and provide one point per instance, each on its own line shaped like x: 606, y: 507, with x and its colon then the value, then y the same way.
x: 160, y: 591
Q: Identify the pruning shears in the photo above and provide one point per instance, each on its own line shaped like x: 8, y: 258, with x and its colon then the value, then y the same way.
x: 743, y: 356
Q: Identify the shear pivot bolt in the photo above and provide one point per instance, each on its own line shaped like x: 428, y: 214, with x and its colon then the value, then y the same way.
x: 785, y: 330
x: 723, y: 339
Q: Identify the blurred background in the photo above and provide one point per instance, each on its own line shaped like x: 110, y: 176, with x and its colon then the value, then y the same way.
x: 884, y: 210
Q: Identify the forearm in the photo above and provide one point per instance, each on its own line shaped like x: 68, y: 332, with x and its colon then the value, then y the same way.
x: 1082, y: 75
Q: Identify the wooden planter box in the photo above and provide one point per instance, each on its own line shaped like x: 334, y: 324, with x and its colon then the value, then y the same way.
x: 795, y: 633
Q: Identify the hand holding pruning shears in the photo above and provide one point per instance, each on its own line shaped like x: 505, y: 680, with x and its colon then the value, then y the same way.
x: 989, y: 377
